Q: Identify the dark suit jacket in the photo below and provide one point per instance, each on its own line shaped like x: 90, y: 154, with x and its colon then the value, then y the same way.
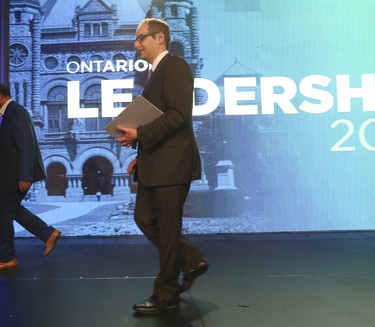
x: 167, y: 151
x: 20, y: 158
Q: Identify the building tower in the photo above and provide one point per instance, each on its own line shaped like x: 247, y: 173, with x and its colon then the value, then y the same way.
x: 24, y: 55
x: 182, y: 18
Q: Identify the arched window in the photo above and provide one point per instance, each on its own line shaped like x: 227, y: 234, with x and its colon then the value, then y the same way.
x: 56, y: 181
x: 119, y: 56
x: 87, y: 29
x: 74, y: 59
x: 174, y: 10
x: 96, y: 29
x: 96, y: 57
x: 25, y: 97
x: 17, y: 88
x: 177, y: 49
x: 105, y: 29
x: 51, y: 63
x: 57, y: 120
x: 93, y: 100
x: 18, y: 16
x: 97, y: 176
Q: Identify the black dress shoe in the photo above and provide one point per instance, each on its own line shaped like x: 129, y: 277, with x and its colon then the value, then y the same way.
x: 155, y: 305
x: 192, y: 275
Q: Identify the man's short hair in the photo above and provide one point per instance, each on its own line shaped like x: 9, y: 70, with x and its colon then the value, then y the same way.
x: 158, y: 25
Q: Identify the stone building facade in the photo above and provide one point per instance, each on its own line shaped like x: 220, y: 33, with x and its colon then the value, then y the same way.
x: 53, y: 43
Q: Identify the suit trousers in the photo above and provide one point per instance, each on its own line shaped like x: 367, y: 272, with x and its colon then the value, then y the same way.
x: 11, y: 209
x: 158, y: 214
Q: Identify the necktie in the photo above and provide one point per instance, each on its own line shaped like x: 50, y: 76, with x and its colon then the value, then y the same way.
x: 1, y: 118
x: 149, y: 75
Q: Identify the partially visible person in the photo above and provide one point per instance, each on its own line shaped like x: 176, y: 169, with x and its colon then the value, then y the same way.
x: 98, y: 195
x: 167, y: 161
x: 20, y: 165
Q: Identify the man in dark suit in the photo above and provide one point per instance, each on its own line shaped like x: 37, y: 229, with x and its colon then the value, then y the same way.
x: 20, y: 165
x: 167, y: 161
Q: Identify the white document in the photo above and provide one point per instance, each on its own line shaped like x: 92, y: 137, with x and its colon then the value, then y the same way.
x: 138, y: 112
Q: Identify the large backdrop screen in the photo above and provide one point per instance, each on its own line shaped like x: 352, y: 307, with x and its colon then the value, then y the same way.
x: 283, y: 115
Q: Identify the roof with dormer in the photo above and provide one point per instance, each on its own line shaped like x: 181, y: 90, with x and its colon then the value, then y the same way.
x: 60, y: 13
x: 95, y: 6
x: 237, y: 69
x: 30, y: 3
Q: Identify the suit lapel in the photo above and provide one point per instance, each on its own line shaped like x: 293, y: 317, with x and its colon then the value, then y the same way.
x: 158, y: 70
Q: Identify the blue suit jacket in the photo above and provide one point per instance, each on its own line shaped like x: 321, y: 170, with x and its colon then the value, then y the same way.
x: 20, y: 158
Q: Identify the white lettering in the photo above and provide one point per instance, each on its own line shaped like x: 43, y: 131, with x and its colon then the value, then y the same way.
x: 282, y: 98
x: 213, y: 97
x: 345, y: 93
x: 109, y: 97
x: 307, y: 89
x: 240, y: 94
x: 232, y: 97
x: 141, y: 65
x: 74, y: 111
x: 108, y: 66
x: 85, y: 66
x: 362, y: 134
x: 72, y: 63
x: 121, y: 65
x: 98, y: 63
x: 99, y: 66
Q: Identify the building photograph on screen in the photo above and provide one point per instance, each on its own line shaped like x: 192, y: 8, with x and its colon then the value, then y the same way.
x: 283, y: 111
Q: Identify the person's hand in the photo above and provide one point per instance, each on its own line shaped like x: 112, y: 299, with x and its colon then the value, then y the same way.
x: 131, y: 166
x: 130, y: 136
x: 24, y: 186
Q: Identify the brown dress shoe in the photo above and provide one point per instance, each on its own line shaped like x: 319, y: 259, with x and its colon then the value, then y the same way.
x: 51, y: 242
x: 9, y: 265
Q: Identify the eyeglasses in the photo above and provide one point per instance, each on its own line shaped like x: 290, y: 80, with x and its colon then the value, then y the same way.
x: 140, y: 38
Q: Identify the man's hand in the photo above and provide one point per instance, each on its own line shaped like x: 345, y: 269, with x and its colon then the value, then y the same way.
x: 24, y: 186
x: 131, y: 166
x: 130, y: 136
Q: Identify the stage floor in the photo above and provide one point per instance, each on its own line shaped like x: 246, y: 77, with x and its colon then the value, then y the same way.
x: 262, y: 280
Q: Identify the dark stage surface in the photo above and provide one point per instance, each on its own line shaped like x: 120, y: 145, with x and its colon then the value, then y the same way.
x: 262, y: 280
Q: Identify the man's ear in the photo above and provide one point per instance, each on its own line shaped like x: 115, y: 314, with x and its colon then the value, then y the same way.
x: 161, y: 38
